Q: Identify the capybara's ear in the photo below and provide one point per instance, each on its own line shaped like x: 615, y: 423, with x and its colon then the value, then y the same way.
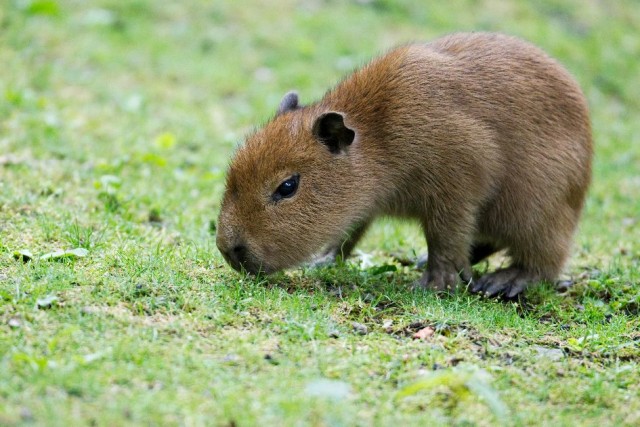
x: 289, y: 103
x: 330, y: 129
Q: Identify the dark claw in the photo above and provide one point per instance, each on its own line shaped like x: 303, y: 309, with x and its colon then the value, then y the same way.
x: 493, y: 290
x: 496, y: 289
x: 479, y: 284
x: 508, y: 282
x: 516, y: 289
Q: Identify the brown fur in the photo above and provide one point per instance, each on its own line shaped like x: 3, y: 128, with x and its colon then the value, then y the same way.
x: 483, y: 138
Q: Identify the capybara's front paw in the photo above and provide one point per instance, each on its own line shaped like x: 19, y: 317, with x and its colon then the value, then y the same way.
x: 440, y: 281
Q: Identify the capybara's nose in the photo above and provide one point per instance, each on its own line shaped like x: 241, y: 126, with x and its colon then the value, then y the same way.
x: 238, y: 256
x: 235, y: 255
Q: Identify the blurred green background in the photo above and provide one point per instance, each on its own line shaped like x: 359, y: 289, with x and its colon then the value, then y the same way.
x: 168, y: 89
x: 117, y: 121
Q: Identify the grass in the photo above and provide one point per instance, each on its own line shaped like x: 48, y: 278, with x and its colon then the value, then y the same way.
x: 117, y: 120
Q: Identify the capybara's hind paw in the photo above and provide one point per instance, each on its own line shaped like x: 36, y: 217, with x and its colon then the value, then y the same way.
x: 508, y: 282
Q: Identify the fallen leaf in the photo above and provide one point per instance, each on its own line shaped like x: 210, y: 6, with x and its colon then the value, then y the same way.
x: 331, y: 389
x: 23, y: 255
x: 424, y: 333
x: 462, y: 384
x: 165, y: 140
x: 65, y: 255
x: 381, y: 269
x: 92, y: 357
x: 10, y: 160
x: 42, y: 7
x: 14, y: 322
x: 46, y: 302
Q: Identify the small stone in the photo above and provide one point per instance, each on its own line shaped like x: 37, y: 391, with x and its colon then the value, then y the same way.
x: 88, y: 310
x: 359, y: 328
x: 549, y: 353
x: 454, y: 361
x: 231, y: 358
x: 564, y: 285
x: 26, y: 414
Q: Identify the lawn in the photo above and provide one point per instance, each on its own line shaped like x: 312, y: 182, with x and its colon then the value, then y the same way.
x: 117, y: 121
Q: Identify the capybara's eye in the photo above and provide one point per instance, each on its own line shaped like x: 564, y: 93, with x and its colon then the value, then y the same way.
x: 287, y: 189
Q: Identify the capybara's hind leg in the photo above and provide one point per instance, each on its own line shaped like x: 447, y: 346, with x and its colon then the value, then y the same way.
x: 539, y: 258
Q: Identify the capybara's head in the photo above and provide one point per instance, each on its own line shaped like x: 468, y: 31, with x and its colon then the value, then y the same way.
x: 291, y: 190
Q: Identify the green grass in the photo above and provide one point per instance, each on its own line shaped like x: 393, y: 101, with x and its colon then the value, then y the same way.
x: 117, y: 120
